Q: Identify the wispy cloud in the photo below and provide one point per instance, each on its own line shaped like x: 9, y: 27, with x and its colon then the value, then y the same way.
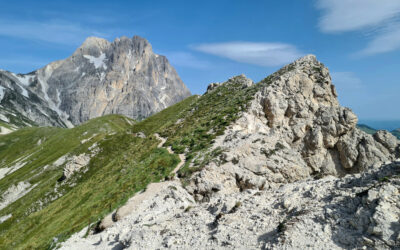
x: 58, y: 32
x: 188, y: 60
x: 349, y: 15
x: 262, y: 54
x: 386, y: 41
x: 381, y: 18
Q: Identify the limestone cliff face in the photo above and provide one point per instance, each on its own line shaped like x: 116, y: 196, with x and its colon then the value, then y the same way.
x: 120, y: 77
x: 295, y: 129
x: 293, y: 172
x: 21, y: 107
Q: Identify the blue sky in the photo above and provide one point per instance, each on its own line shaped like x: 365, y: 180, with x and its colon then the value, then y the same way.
x: 211, y: 41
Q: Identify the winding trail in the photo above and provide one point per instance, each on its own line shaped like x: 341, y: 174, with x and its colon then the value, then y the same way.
x: 151, y: 190
x: 181, y: 156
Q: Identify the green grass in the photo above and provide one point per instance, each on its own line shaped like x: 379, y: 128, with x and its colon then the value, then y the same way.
x: 367, y: 129
x: 204, y: 118
x: 55, y: 142
x: 125, y: 164
x: 396, y: 133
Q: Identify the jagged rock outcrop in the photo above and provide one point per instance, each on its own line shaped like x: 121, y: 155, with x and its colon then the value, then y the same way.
x: 294, y: 172
x: 120, y: 77
x: 294, y: 129
x: 241, y: 79
x: 20, y: 106
x: 330, y: 213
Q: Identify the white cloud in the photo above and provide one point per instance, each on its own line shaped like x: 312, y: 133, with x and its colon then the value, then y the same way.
x: 346, y: 81
x: 185, y: 59
x: 262, y: 54
x: 382, y: 17
x: 350, y: 15
x: 50, y: 31
x: 386, y: 41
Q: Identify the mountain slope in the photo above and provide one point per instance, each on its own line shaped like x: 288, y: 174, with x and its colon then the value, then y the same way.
x: 240, y: 140
x: 99, y: 78
x: 42, y: 161
x: 396, y: 132
x: 20, y: 107
x: 260, y: 165
x: 367, y: 129
x: 125, y: 164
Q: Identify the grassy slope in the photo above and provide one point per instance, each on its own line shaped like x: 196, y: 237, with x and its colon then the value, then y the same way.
x: 396, y: 133
x: 367, y: 129
x: 125, y: 165
x: 55, y: 142
x: 15, y: 119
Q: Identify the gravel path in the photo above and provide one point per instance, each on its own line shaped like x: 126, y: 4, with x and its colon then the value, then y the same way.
x: 151, y: 190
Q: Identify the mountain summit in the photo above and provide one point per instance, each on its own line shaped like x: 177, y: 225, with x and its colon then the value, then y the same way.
x: 101, y: 77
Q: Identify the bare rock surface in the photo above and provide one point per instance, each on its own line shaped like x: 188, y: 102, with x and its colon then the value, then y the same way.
x: 294, y: 129
x: 295, y: 173
x: 76, y: 163
x: 101, y: 77
x: 152, y: 190
x: 14, y: 192
x: 330, y: 213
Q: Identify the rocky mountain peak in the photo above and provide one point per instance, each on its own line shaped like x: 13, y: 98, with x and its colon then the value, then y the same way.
x: 93, y: 41
x: 294, y: 129
x: 141, y: 43
x: 123, y: 77
x: 93, y: 46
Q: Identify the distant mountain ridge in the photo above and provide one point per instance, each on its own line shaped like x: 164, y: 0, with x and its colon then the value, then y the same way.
x: 369, y: 130
x: 101, y: 77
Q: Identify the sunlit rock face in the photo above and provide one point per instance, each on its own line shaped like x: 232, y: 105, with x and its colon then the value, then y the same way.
x: 101, y: 77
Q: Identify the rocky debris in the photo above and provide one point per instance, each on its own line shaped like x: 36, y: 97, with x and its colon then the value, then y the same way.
x: 148, y: 215
x: 4, y: 130
x: 141, y: 135
x: 294, y: 173
x: 212, y: 86
x: 15, y: 192
x: 24, y: 106
x: 88, y: 139
x: 387, y: 139
x: 294, y: 129
x: 240, y: 79
x: 77, y: 162
x: 151, y: 190
x: 101, y: 77
x: 74, y: 164
x: 17, y: 164
x: 5, y: 217
x: 329, y: 213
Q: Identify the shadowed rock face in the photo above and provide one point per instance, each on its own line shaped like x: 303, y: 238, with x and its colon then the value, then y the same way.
x: 21, y: 107
x: 121, y: 77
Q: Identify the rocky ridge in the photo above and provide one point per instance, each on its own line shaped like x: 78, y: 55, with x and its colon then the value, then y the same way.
x: 360, y: 210
x: 21, y: 107
x: 101, y: 77
x: 294, y: 129
x: 294, y: 172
